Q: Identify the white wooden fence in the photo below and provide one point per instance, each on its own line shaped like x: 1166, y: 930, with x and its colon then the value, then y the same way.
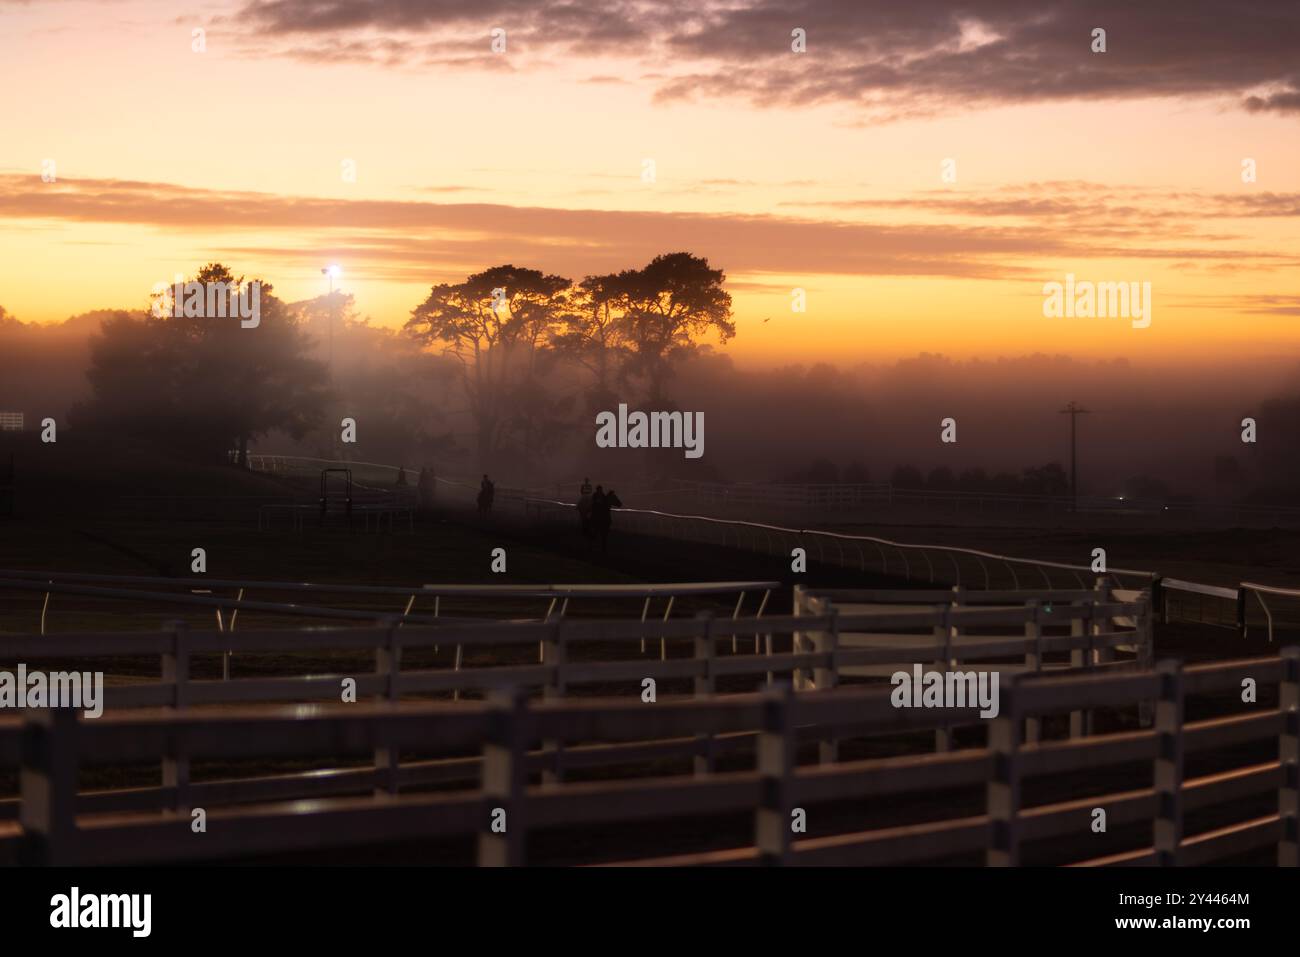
x: 588, y: 653
x: 1062, y: 629
x: 54, y: 745
x: 227, y: 598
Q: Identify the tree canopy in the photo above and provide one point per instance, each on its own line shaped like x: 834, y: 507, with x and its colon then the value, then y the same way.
x: 508, y: 324
x: 204, y: 385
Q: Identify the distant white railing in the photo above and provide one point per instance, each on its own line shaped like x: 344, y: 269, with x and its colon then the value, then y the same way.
x: 815, y: 497
x: 969, y: 567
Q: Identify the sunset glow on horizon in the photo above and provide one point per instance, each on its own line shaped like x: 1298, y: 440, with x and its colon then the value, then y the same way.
x: 167, y: 157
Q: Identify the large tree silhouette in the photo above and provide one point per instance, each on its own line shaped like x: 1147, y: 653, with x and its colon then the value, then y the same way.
x: 497, y: 324
x: 645, y: 319
x: 594, y: 332
x: 201, y: 384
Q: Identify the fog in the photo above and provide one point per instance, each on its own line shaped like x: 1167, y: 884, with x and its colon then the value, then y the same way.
x: 1168, y: 424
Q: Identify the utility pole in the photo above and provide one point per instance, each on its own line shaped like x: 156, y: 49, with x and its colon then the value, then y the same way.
x: 1074, y: 411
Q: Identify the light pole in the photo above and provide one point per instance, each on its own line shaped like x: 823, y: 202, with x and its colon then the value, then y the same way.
x: 1074, y: 411
x: 333, y: 273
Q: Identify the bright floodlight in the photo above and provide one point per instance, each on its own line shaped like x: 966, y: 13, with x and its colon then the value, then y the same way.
x: 334, y: 272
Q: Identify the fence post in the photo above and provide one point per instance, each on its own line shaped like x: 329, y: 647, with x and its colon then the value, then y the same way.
x: 704, y: 686
x: 388, y: 663
x: 1241, y: 614
x: 776, y: 758
x: 1146, y: 656
x: 176, y: 672
x: 801, y: 609
x: 946, y: 632
x: 1168, y: 777
x: 663, y: 639
x: 554, y: 653
x: 1033, y: 662
x: 505, y: 775
x: 225, y: 655
x: 1078, y: 657
x: 825, y: 677
x: 1288, y: 753
x: 1002, y: 793
x: 1105, y: 654
x: 47, y: 781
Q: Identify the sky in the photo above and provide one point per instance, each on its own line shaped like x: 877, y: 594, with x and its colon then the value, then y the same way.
x: 919, y: 171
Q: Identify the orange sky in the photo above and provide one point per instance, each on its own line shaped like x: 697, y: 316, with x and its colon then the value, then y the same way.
x: 820, y: 171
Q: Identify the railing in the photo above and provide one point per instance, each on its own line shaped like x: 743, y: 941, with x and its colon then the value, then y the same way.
x: 504, y: 807
x: 1259, y: 591
x: 1089, y: 618
x: 973, y: 568
x: 203, y: 593
x: 144, y: 589
x: 910, y: 561
x: 1062, y: 629
x: 839, y: 496
x: 289, y: 464
x: 574, y: 653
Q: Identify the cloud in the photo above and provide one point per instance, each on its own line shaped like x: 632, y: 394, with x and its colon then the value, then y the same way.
x: 408, y: 238
x: 1080, y: 203
x: 1280, y: 305
x: 881, y: 57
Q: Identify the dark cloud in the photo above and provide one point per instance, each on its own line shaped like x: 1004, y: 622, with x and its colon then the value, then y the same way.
x: 887, y: 58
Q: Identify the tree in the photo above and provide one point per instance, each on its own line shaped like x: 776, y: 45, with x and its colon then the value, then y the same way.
x: 941, y: 479
x: 821, y: 472
x: 664, y: 308
x: 404, y: 391
x: 1049, y: 479
x: 1229, y: 477
x: 906, y: 477
x: 855, y: 473
x: 1280, y: 465
x: 496, y: 324
x: 202, y: 384
x: 593, y: 332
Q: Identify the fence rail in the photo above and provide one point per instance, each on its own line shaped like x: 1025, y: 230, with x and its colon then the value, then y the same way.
x: 973, y: 568
x: 814, y: 497
x: 504, y: 806
x: 203, y: 592
x: 1080, y: 629
x: 933, y: 563
x: 1090, y: 617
